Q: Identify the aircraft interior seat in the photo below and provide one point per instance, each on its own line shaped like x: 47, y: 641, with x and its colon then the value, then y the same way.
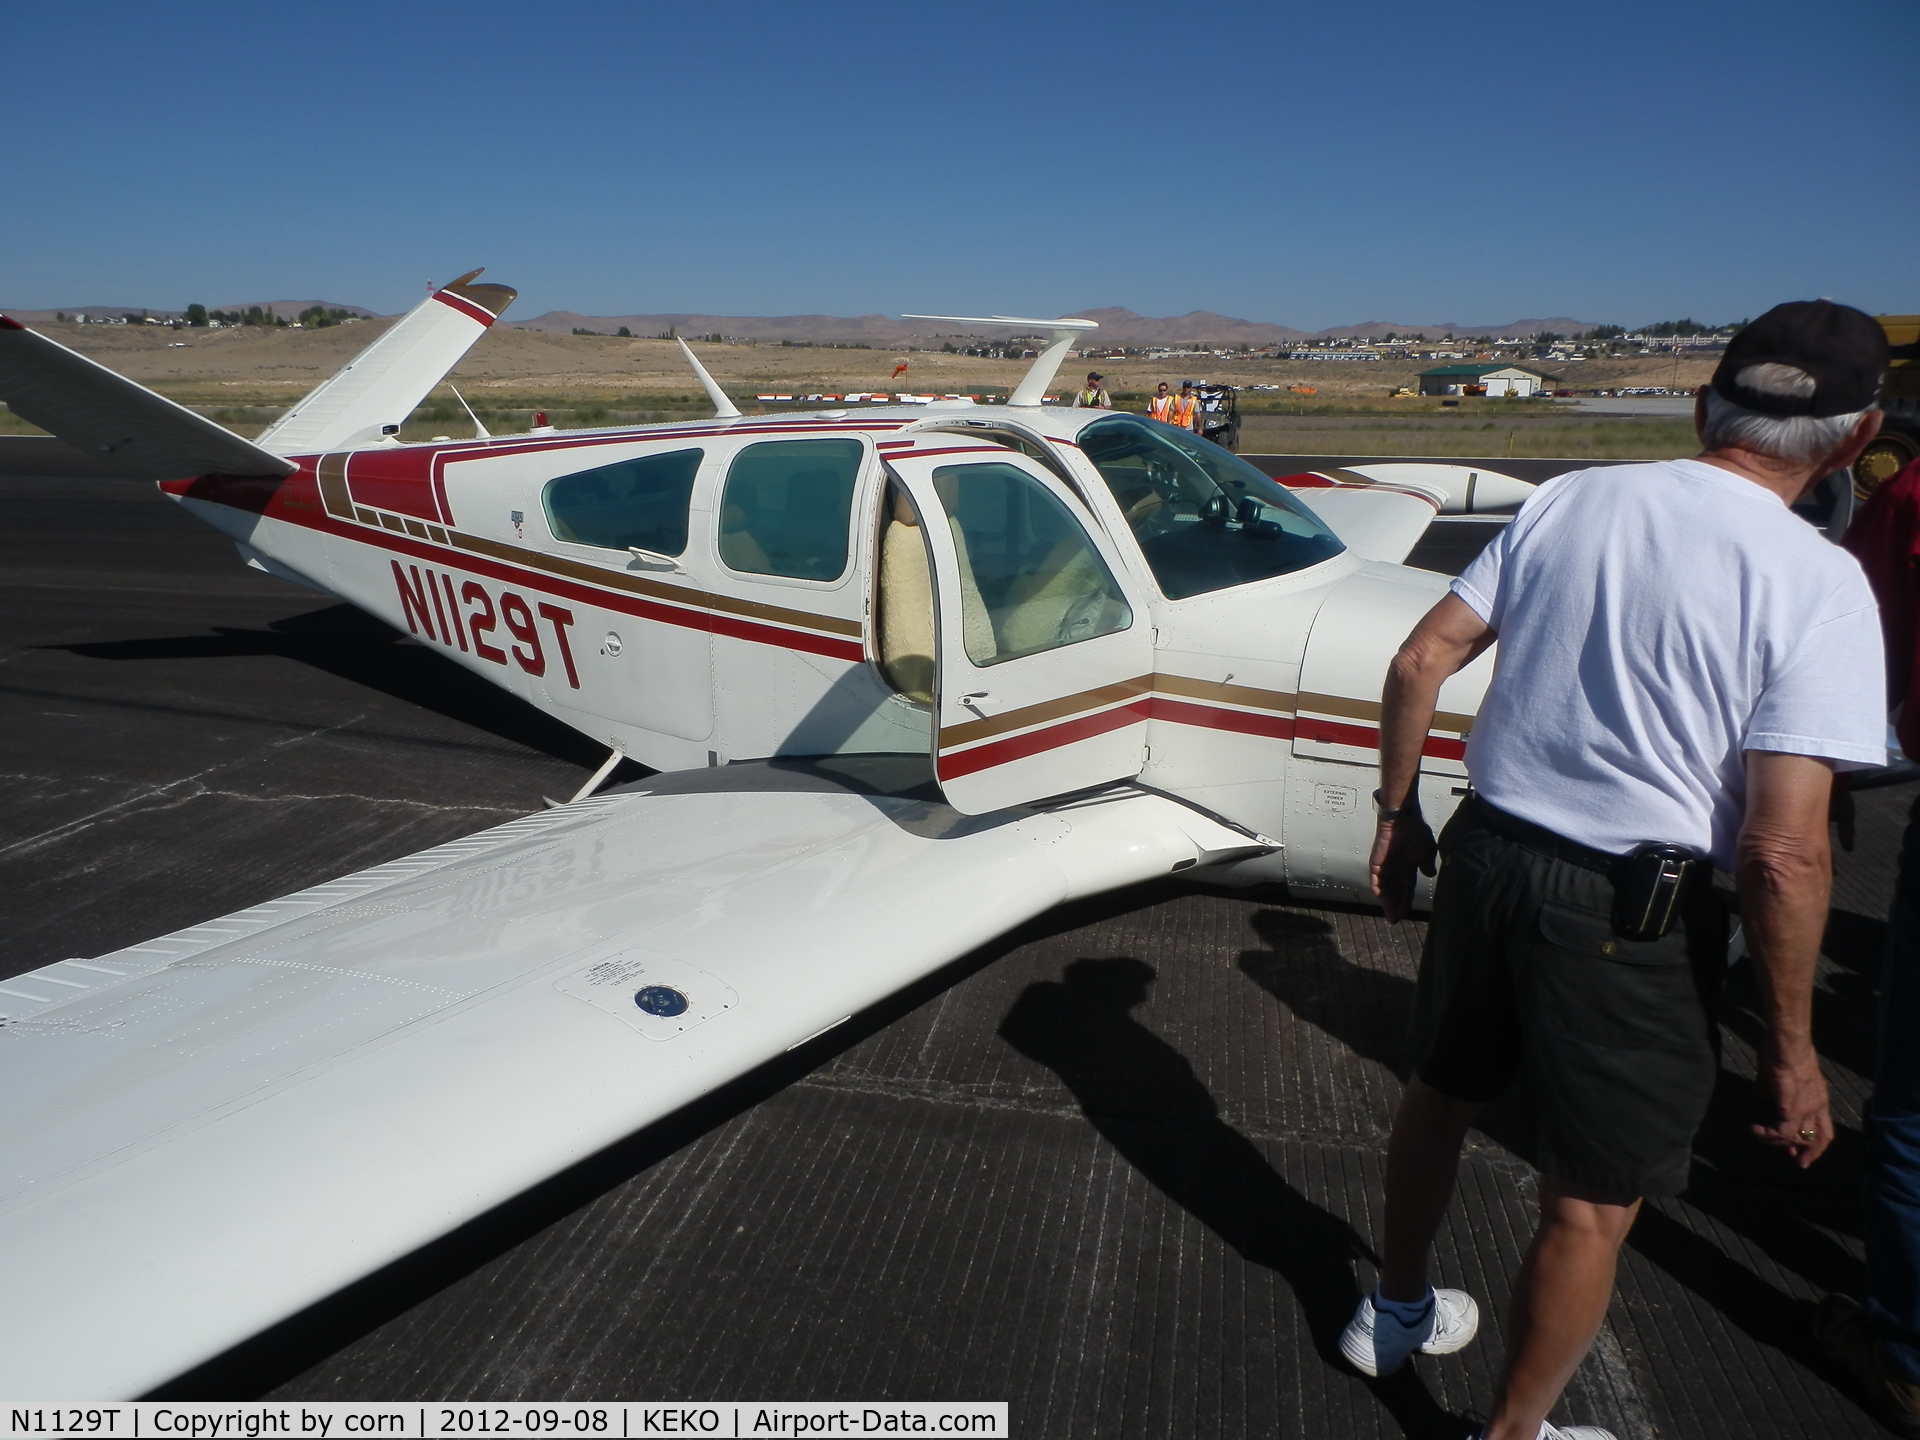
x: 905, y: 608
x: 738, y: 547
x: 1050, y: 606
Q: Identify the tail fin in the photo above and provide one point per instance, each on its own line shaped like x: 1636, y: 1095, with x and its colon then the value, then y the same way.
x: 383, y: 383
x: 142, y: 434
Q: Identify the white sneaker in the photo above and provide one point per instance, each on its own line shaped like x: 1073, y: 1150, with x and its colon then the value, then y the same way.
x: 1574, y: 1432
x: 1378, y: 1344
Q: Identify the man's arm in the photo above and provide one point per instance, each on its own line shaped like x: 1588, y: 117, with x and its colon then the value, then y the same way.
x: 1785, y: 876
x: 1448, y: 637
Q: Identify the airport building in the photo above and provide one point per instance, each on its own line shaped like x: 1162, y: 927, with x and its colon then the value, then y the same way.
x: 1498, y: 378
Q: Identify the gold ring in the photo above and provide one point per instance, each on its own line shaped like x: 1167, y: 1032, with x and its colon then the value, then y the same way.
x: 1809, y: 1135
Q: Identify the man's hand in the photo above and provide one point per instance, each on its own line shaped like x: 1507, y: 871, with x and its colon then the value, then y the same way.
x: 1447, y: 637
x: 1400, y: 847
x: 1799, y: 1093
x: 1785, y: 874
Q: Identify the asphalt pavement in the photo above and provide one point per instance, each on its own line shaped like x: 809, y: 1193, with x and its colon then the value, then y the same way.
x: 1120, y: 1169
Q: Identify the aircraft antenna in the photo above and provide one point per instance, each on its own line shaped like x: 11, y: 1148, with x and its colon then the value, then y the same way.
x: 480, y: 432
x: 1032, y: 388
x: 723, y: 408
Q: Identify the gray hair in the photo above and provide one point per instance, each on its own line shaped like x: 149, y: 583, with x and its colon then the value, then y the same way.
x: 1800, y: 439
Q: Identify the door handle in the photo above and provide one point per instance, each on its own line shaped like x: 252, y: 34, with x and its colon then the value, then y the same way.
x: 970, y: 699
x: 653, y: 559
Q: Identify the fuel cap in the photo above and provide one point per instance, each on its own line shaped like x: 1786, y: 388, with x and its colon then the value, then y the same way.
x: 661, y: 1000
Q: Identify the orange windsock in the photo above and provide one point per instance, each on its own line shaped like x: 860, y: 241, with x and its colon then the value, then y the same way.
x: 899, y: 370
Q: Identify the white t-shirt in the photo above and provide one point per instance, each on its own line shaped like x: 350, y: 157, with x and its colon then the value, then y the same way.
x: 1656, y: 621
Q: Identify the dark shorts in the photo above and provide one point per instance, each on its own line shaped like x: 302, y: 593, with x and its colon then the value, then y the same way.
x: 1610, y: 1046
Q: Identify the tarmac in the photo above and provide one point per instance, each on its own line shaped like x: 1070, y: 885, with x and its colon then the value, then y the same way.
x: 1120, y: 1169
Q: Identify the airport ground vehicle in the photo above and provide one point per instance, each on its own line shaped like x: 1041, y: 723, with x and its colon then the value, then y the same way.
x: 1898, y: 442
x: 1220, y: 415
x: 912, y: 675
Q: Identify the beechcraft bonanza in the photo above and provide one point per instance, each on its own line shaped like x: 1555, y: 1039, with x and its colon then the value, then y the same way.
x: 910, y: 677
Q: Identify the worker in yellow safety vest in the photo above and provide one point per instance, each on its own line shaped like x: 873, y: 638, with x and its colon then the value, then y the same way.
x: 1160, y: 407
x: 1093, y: 395
x: 1186, y: 407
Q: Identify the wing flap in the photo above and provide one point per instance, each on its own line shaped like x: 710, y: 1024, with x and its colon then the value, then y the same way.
x: 307, y: 1090
x: 144, y: 435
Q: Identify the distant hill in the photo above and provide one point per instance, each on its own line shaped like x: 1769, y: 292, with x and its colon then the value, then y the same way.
x: 1513, y: 329
x: 817, y: 329
x: 286, y: 309
x: 1117, y: 327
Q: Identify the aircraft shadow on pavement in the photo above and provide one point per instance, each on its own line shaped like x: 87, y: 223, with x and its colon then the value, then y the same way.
x: 1738, y: 1184
x: 348, y: 643
x: 1143, y: 1096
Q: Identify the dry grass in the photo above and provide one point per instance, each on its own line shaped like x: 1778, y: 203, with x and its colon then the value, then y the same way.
x: 1555, y: 437
x: 243, y: 378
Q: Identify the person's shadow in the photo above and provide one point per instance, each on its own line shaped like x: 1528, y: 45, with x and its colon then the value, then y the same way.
x: 1142, y: 1095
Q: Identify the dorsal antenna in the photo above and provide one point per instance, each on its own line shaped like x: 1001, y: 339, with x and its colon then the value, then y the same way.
x: 480, y: 432
x: 723, y: 408
x: 1032, y: 388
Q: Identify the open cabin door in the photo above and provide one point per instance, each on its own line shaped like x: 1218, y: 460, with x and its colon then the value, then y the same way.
x: 1044, y: 660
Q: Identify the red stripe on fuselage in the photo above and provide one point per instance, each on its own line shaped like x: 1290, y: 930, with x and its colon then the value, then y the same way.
x: 1212, y: 717
x: 1017, y: 747
x: 284, y: 500
x: 955, y: 764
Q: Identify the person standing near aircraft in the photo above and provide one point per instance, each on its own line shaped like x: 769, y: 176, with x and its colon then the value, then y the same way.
x: 1186, y: 408
x: 1880, y: 1342
x: 1681, y: 658
x: 1160, y: 407
x: 1093, y: 394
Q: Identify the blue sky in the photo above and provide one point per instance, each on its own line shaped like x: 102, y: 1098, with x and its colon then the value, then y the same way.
x: 1308, y: 164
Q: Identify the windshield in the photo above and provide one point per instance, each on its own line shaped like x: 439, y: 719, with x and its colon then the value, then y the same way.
x: 1205, y: 518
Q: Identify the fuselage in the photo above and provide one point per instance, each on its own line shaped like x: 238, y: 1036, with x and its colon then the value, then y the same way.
x: 752, y: 630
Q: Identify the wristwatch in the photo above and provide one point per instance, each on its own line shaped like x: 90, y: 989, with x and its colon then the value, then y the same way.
x: 1412, y: 807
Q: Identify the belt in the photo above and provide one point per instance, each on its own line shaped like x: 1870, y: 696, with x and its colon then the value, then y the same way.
x: 1543, y: 840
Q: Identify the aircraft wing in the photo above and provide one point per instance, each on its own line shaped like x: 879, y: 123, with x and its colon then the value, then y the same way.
x: 201, y: 1135
x: 145, y: 435
x: 1376, y: 522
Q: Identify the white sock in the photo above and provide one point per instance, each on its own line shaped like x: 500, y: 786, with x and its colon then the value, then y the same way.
x: 1408, y: 1312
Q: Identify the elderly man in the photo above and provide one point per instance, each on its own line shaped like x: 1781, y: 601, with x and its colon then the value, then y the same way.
x: 1684, y: 664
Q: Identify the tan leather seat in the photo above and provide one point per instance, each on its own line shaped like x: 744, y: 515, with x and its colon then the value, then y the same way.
x: 906, y: 607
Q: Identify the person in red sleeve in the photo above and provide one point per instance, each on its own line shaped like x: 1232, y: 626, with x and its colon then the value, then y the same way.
x: 1880, y: 1341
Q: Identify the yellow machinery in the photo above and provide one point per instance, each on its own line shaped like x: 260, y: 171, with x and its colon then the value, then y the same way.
x: 1899, y: 440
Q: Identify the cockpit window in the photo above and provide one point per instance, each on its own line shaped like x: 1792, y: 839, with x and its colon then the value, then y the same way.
x: 1205, y: 519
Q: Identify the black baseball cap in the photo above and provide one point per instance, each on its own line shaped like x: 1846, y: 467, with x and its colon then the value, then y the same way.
x: 1843, y: 349
x: 1095, y: 375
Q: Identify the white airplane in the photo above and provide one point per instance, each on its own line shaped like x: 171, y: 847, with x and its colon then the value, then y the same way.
x: 911, y: 676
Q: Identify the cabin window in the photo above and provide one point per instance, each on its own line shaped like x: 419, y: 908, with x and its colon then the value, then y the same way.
x: 1204, y: 518
x: 1030, y: 578
x: 787, y: 508
x: 641, y: 503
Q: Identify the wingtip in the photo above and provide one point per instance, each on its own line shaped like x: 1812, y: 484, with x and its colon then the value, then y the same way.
x: 7, y: 322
